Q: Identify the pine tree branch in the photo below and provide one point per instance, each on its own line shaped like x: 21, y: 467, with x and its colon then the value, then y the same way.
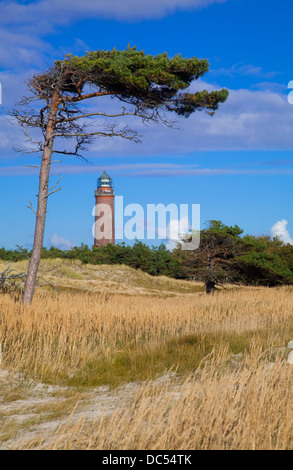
x: 124, y: 113
x: 126, y: 133
x: 31, y: 208
x: 60, y: 179
x: 76, y: 99
x: 52, y: 192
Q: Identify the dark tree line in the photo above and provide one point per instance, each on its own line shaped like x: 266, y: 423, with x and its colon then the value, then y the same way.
x: 225, y: 255
x: 153, y: 260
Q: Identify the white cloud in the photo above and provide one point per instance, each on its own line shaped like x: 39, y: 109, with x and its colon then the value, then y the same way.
x: 175, y: 229
x: 137, y: 170
x: 23, y: 24
x: 279, y: 229
x: 243, y: 69
x: 249, y: 120
x: 24, y: 48
x: 66, y: 11
x: 60, y: 242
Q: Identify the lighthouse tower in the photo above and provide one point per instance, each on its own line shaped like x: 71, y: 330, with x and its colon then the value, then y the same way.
x: 104, y: 212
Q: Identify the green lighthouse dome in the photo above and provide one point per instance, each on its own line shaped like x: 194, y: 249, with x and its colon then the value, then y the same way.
x: 105, y: 181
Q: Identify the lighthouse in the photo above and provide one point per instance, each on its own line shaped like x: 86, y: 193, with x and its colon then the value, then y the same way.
x: 104, y: 211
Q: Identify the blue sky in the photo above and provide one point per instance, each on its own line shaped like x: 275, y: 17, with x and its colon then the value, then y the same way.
x: 238, y: 164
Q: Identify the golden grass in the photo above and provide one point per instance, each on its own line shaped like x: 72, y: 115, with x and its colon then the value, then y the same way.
x: 232, y: 388
x: 95, y: 339
x: 74, y: 276
x: 250, y: 409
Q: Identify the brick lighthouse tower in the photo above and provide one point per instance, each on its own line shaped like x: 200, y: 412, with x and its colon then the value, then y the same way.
x: 104, y: 213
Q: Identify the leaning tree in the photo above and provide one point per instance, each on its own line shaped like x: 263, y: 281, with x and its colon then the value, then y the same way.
x: 146, y: 87
x: 214, y: 262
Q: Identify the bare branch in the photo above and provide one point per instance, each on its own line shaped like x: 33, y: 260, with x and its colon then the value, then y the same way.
x: 126, y: 133
x: 75, y: 99
x: 31, y: 207
x: 52, y: 192
x: 67, y: 152
x: 80, y: 144
x: 46, y: 282
x: 30, y: 139
x: 24, y: 152
x: 10, y: 279
x: 50, y: 189
x: 83, y: 116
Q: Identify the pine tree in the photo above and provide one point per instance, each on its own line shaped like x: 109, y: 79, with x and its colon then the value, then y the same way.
x: 148, y: 87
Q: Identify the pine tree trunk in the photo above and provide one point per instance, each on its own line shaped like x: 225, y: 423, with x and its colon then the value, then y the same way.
x: 210, y: 285
x: 42, y: 202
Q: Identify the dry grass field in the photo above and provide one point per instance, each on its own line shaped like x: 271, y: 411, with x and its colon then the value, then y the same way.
x: 116, y: 359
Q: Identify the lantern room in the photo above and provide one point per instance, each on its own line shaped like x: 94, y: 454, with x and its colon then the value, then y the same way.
x: 105, y: 181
